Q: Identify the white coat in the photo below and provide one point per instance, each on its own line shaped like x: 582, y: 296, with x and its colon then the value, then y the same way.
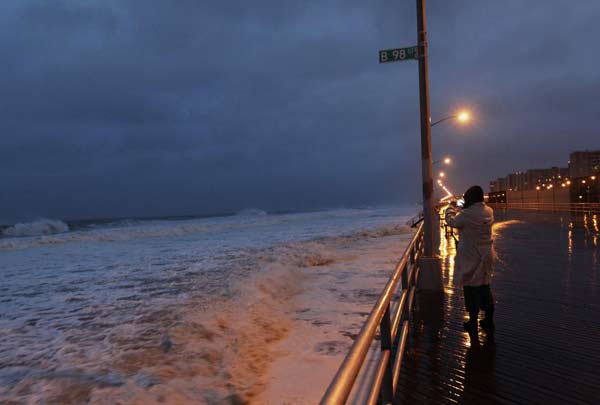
x: 475, y: 251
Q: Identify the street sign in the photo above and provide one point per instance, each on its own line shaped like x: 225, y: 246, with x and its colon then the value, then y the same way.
x: 394, y: 55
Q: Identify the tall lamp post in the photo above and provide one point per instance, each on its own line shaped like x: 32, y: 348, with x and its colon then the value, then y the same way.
x: 431, y: 266
x: 430, y: 263
x: 431, y: 269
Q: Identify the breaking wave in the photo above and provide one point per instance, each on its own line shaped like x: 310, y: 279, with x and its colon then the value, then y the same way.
x: 371, y: 233
x: 251, y: 212
x: 37, y: 228
x: 121, y: 223
x: 52, y: 232
x: 105, y: 234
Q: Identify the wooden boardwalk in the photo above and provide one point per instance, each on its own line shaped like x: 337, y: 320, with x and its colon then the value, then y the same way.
x: 546, y: 348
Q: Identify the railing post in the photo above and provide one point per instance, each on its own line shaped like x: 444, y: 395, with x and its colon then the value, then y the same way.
x: 408, y: 267
x: 385, y: 331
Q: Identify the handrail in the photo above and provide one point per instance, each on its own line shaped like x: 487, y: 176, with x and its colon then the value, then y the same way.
x: 386, y: 377
x: 577, y: 208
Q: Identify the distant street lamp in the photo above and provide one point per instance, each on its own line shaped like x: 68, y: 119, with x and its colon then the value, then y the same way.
x: 551, y: 187
x: 587, y: 194
x: 462, y: 116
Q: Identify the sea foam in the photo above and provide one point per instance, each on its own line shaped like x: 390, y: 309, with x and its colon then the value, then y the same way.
x: 37, y: 228
x: 251, y: 212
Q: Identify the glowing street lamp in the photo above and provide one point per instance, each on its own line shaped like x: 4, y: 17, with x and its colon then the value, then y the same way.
x: 442, y: 174
x: 446, y: 161
x: 462, y: 117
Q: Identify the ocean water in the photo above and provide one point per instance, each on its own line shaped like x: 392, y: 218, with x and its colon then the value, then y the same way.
x: 151, y: 311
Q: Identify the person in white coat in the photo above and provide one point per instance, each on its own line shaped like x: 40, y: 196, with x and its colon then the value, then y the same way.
x: 474, y: 256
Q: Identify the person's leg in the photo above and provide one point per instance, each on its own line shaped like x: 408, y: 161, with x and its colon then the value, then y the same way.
x: 487, y: 305
x: 472, y: 304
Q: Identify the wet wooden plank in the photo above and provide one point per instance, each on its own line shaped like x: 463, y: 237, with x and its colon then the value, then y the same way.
x: 547, y: 345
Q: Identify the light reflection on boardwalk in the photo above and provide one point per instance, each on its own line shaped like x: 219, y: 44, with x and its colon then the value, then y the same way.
x: 547, y: 345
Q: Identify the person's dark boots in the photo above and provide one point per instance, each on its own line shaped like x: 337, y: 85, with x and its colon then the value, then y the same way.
x: 487, y: 325
x: 471, y: 327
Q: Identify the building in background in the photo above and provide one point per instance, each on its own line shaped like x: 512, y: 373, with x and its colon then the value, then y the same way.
x: 579, y: 183
x: 584, y: 163
x: 530, y: 179
x: 544, y: 177
x: 500, y: 184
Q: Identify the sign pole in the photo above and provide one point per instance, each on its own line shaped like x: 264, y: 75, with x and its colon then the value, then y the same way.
x: 431, y: 271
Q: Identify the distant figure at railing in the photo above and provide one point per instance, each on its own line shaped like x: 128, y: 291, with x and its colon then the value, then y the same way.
x: 474, y: 257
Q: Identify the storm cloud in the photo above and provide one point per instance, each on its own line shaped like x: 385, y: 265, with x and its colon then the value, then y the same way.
x: 131, y: 108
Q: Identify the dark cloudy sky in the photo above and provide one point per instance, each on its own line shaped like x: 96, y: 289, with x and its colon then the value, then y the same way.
x: 136, y: 107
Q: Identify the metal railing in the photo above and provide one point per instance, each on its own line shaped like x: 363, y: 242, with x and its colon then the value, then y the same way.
x: 574, y: 208
x: 392, y: 344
